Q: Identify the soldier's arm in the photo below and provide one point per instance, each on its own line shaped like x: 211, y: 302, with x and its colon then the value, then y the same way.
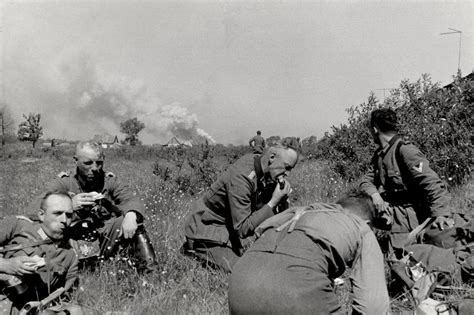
x: 369, y: 289
x: 426, y: 181
x: 124, y: 197
x: 72, y: 276
x: 250, y: 141
x: 7, y: 229
x: 239, y: 195
x: 367, y: 184
x: 15, y: 265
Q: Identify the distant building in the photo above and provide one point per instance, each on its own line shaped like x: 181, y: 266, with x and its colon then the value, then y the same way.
x: 106, y: 141
x: 469, y: 77
x: 176, y: 143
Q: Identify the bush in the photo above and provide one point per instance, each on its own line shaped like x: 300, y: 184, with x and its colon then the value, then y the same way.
x: 436, y: 119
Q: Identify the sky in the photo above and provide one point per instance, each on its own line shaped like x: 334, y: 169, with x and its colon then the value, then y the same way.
x: 219, y: 69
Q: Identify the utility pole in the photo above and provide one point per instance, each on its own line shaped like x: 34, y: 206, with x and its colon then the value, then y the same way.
x: 384, y: 89
x: 454, y: 31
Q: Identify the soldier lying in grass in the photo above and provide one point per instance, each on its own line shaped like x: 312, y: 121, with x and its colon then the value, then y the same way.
x: 290, y: 269
x: 36, y: 257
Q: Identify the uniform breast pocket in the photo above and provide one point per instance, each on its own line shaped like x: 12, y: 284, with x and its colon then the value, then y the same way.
x: 395, y: 180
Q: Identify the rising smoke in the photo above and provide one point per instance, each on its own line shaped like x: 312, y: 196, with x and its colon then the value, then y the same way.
x: 80, y: 99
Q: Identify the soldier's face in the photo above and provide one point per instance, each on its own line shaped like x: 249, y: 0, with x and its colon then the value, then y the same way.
x: 281, y: 163
x: 375, y: 135
x: 56, y: 216
x: 89, y: 164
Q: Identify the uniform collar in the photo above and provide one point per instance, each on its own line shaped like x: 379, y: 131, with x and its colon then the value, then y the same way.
x: 42, y: 234
x: 383, y: 150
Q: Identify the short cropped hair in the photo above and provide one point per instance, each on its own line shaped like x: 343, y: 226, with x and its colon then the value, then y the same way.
x: 384, y: 119
x: 359, y: 204
x: 61, y: 193
x: 92, y: 145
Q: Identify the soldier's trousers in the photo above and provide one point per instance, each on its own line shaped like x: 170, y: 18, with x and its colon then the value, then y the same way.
x: 109, y: 240
x: 404, y: 220
x: 290, y: 280
x: 216, y: 256
x: 139, y: 246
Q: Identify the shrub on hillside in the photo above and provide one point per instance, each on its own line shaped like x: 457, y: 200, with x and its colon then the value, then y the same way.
x: 436, y: 119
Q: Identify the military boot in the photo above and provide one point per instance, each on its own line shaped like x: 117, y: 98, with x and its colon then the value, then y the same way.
x: 143, y: 251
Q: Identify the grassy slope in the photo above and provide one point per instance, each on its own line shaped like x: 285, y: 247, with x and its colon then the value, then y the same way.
x: 180, y: 286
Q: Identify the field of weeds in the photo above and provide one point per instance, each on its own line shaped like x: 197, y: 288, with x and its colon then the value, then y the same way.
x: 181, y: 285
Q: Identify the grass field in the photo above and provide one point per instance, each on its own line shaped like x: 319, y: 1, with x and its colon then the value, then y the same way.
x: 181, y: 285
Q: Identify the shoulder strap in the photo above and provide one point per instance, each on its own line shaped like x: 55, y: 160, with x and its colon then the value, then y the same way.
x: 15, y: 247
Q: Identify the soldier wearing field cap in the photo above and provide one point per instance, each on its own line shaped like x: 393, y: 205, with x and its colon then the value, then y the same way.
x: 405, y: 190
x: 105, y: 208
x: 224, y: 220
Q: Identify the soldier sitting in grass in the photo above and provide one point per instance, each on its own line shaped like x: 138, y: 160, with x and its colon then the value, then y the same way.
x: 36, y: 258
x: 105, y: 208
x: 223, y: 223
x: 291, y: 267
x: 403, y: 187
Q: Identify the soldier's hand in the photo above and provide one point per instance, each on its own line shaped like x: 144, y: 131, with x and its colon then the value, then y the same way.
x: 129, y: 225
x: 18, y: 266
x: 443, y: 222
x: 83, y: 199
x: 279, y: 193
x: 379, y: 203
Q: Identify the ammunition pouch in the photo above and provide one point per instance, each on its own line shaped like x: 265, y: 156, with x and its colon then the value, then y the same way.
x: 21, y: 290
x: 17, y: 293
x: 398, y: 197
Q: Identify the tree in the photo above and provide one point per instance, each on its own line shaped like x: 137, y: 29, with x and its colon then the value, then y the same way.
x: 30, y: 129
x: 272, y: 140
x: 6, y: 122
x: 131, y: 128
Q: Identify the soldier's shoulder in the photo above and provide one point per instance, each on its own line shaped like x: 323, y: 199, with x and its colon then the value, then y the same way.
x: 408, y: 148
x: 64, y: 174
x: 22, y: 217
x: 244, y: 167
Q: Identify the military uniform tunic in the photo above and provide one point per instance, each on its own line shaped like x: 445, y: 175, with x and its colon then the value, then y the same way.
x: 412, y: 189
x: 61, y: 261
x: 292, y: 272
x: 226, y: 217
x: 258, y: 144
x: 119, y: 199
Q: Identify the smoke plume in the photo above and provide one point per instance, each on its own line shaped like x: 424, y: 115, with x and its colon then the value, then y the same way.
x: 79, y: 99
